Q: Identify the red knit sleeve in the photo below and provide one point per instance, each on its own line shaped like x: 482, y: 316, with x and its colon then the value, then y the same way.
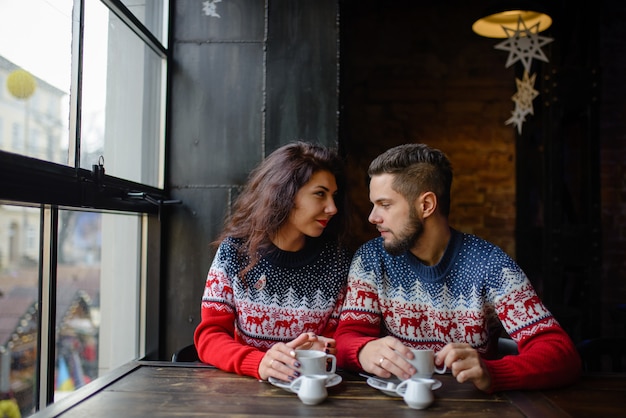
x: 216, y: 345
x: 546, y: 359
x: 351, y: 336
x: 360, y: 320
x: 215, y: 335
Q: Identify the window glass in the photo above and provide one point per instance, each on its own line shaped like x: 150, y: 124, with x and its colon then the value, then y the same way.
x: 35, y: 67
x: 153, y: 14
x: 122, y: 114
x: 123, y: 110
x: 98, y: 296
x: 19, y: 312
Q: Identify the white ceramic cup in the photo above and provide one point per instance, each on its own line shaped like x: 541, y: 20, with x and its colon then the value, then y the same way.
x: 417, y: 392
x: 316, y: 362
x: 424, y: 363
x: 311, y: 388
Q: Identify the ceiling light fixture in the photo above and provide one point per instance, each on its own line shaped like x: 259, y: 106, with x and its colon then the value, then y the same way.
x: 507, y: 13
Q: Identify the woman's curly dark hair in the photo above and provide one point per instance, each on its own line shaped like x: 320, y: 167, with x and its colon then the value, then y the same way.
x: 268, y: 197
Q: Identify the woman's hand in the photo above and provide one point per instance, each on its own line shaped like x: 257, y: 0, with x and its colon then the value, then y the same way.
x: 280, y: 360
x: 315, y: 342
x: 328, y: 345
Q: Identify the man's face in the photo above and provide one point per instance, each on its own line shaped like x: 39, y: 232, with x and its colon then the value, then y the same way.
x: 396, y: 219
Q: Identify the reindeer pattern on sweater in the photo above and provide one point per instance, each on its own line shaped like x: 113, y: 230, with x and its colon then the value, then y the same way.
x: 473, y: 287
x: 284, y: 295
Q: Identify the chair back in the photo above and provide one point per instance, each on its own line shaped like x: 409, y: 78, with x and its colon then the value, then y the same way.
x: 507, y: 347
x: 187, y: 354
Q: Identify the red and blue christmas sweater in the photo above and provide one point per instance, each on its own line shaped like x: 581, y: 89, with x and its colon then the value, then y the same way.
x: 282, y: 296
x: 475, y: 290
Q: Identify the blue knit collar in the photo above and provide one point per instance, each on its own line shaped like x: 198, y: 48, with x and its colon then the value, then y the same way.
x: 439, y: 270
x: 312, y: 249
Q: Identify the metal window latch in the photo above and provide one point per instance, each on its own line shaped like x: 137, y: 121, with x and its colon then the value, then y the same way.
x: 98, y: 171
x: 157, y: 202
x: 148, y: 198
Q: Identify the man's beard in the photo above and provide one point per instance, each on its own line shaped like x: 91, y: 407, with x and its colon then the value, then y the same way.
x: 407, y: 237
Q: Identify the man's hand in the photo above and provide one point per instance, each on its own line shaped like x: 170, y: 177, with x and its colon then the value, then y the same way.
x: 465, y: 364
x: 386, y: 356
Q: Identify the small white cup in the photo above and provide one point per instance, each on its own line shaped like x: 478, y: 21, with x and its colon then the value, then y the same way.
x: 311, y: 388
x: 424, y: 362
x: 316, y: 362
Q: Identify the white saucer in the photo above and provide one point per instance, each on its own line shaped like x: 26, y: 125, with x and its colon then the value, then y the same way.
x: 379, y: 383
x: 333, y: 380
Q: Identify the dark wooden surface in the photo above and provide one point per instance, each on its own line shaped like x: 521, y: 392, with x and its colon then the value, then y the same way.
x: 158, y: 389
x: 595, y: 396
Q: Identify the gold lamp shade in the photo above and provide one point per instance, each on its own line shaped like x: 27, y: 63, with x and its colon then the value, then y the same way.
x: 508, y: 14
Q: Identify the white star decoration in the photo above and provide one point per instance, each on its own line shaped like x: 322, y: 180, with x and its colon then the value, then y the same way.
x: 523, y: 99
x: 524, y: 44
x: 525, y: 93
x: 518, y: 118
x: 209, y: 7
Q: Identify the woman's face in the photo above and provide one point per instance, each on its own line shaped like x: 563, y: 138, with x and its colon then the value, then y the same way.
x: 313, y: 207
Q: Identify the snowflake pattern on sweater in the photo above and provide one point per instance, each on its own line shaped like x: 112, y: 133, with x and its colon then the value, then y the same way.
x: 474, y: 286
x: 284, y: 295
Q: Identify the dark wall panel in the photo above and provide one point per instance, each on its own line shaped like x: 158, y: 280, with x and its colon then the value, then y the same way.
x: 302, y: 71
x: 217, y: 113
x: 194, y: 225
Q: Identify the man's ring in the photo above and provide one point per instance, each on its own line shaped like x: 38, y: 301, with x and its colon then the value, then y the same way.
x: 271, y: 363
x: 380, y: 362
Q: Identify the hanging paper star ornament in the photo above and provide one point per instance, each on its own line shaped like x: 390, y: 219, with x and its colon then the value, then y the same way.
x: 525, y: 94
x: 209, y: 7
x: 523, y: 99
x: 518, y: 118
x: 523, y: 44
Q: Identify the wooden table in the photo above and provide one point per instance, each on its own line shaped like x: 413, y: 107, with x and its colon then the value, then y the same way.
x: 160, y: 389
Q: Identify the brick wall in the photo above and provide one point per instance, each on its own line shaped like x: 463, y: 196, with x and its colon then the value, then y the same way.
x: 446, y: 88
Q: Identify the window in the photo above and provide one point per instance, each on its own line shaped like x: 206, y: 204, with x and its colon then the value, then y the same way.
x: 82, y: 144
x: 19, y: 302
x: 98, y: 277
x: 16, y: 137
x: 123, y: 93
x: 37, y: 68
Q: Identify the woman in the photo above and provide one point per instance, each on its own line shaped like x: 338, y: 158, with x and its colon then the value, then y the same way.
x: 279, y: 276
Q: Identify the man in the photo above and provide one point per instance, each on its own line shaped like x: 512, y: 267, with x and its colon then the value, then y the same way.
x: 422, y: 284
